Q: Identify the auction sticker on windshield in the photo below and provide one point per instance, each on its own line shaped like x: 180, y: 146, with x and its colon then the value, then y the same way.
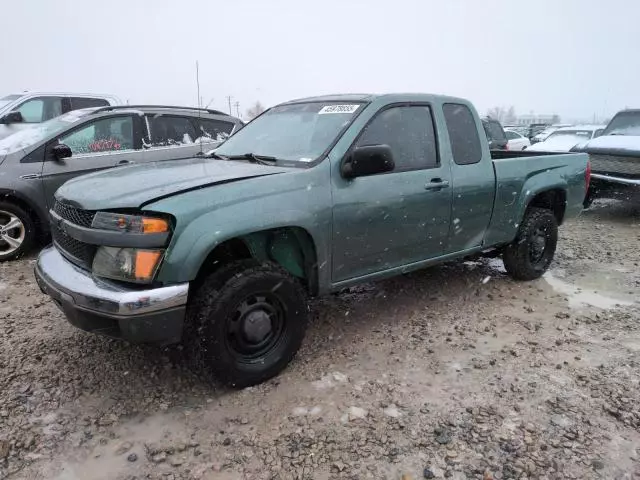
x: 338, y: 109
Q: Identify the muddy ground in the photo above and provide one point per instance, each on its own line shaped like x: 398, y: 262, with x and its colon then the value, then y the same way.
x: 453, y: 372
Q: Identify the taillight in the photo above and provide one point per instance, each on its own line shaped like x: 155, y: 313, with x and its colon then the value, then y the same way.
x: 587, y: 175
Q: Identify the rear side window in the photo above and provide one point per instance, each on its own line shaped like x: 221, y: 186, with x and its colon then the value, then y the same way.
x: 80, y: 102
x: 511, y: 135
x: 463, y: 134
x: 171, y: 130
x: 410, y: 133
x: 212, y: 130
x: 494, y: 132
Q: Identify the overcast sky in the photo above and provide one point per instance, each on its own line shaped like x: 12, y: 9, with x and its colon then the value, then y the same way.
x: 571, y: 57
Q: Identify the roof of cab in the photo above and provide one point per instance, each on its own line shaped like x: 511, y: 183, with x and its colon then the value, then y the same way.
x: 369, y: 97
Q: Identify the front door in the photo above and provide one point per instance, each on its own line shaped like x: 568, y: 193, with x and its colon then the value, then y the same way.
x: 102, y: 143
x: 393, y: 219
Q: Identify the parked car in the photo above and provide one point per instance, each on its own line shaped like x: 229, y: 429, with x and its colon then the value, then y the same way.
x: 313, y: 196
x: 495, y: 134
x: 564, y: 139
x: 535, y: 128
x: 35, y: 162
x: 615, y: 155
x: 544, y: 134
x: 516, y: 141
x: 23, y: 110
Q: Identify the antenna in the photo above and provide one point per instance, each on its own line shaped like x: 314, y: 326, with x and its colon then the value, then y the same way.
x: 199, y: 105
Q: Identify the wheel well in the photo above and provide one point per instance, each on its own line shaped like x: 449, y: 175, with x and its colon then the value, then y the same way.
x: 554, y: 200
x: 290, y: 247
x: 8, y: 197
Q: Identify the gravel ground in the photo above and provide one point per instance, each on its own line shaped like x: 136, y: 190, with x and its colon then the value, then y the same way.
x: 453, y: 372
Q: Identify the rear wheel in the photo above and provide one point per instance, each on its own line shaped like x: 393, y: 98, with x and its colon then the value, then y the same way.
x: 246, y: 322
x: 17, y: 231
x: 532, y: 251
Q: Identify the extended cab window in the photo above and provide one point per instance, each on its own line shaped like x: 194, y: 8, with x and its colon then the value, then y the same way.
x: 409, y: 131
x: 104, y: 135
x: 463, y: 134
x: 38, y: 110
x: 171, y: 130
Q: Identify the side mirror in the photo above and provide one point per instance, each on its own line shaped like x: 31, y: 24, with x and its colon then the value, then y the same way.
x: 12, y: 117
x: 61, y: 151
x: 368, y: 160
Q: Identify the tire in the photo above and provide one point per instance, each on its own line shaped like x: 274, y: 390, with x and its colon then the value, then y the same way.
x: 589, y: 197
x: 531, y: 253
x: 245, y: 323
x: 15, y: 242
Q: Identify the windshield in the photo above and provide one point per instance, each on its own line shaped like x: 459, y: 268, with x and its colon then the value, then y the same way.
x: 41, y: 131
x: 624, y: 123
x: 298, y: 132
x: 4, y: 101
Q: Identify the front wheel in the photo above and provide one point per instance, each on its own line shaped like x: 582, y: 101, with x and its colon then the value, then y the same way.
x: 532, y: 251
x: 246, y: 322
x: 17, y: 231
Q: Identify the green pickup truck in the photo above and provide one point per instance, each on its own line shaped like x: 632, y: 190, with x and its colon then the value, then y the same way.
x: 221, y: 251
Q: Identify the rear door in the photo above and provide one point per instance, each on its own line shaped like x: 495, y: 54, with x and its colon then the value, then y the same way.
x: 98, y: 144
x: 473, y: 179
x: 396, y: 218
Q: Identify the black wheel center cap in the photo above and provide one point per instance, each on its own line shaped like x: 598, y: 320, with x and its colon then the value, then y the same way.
x: 256, y: 326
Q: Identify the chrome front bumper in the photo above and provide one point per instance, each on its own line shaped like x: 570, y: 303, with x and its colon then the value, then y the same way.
x: 140, y: 315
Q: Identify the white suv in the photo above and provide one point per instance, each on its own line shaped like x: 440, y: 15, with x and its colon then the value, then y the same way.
x: 23, y: 110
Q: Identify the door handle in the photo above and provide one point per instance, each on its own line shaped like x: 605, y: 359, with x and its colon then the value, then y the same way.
x: 437, y: 184
x: 125, y: 162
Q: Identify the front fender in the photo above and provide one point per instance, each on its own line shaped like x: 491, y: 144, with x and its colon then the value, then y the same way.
x: 206, y: 218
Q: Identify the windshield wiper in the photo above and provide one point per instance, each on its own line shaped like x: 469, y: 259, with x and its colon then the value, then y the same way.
x: 254, y: 158
x: 213, y: 154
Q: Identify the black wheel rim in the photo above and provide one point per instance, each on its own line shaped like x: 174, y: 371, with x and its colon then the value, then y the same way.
x: 256, y: 326
x: 538, y: 245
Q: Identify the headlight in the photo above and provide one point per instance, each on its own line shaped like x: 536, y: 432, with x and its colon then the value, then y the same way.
x: 129, y: 223
x: 127, y: 264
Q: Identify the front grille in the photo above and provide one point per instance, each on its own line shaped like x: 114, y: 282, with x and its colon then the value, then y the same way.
x: 74, y: 215
x: 76, y: 251
x: 615, y: 164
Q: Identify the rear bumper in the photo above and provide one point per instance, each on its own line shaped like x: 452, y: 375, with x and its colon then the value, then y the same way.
x: 612, y: 179
x: 142, y: 316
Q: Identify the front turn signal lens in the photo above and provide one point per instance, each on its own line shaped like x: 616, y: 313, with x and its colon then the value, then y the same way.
x: 122, y: 222
x: 127, y: 264
x: 154, y: 225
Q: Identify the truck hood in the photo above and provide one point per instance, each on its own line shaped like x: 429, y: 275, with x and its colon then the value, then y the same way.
x: 626, y: 145
x: 135, y: 186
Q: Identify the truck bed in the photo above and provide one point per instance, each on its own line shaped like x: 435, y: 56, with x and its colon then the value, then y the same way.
x: 520, y: 176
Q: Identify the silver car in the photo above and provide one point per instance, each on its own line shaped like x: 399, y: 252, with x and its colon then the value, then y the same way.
x: 23, y: 110
x: 36, y: 161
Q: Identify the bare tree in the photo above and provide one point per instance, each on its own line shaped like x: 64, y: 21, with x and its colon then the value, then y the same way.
x: 255, y: 110
x: 497, y: 113
x: 502, y: 114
